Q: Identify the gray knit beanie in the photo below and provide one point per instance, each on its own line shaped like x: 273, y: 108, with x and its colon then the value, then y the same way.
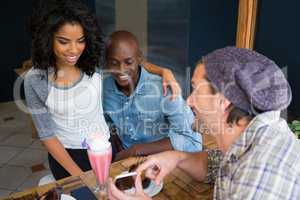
x: 248, y: 79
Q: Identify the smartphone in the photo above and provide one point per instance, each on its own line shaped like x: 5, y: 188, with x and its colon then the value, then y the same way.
x: 125, y: 181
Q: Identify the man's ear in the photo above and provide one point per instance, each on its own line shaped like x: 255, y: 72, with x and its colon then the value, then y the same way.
x: 140, y: 57
x: 225, y: 103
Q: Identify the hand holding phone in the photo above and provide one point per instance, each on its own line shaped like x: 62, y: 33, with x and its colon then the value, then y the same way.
x: 135, y: 193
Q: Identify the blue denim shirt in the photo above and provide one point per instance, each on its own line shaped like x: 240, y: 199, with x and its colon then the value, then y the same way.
x: 147, y: 116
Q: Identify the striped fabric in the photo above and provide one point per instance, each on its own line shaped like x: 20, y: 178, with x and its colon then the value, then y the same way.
x: 263, y: 163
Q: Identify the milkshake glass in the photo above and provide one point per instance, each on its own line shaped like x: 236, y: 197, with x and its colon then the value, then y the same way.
x: 100, y: 155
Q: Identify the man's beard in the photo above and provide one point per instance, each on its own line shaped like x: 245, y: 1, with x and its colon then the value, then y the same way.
x: 200, y: 127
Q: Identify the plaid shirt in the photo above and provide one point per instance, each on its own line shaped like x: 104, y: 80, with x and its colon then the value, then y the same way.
x: 263, y: 163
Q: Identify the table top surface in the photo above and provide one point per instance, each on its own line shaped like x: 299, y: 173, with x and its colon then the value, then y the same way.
x: 177, y: 185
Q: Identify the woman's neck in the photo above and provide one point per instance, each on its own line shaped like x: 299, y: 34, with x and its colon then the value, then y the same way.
x: 64, y: 66
x: 66, y: 75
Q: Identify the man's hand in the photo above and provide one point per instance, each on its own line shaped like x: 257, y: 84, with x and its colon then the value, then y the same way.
x: 115, y: 194
x: 123, y: 155
x: 169, y: 80
x: 159, y: 165
x: 135, y: 150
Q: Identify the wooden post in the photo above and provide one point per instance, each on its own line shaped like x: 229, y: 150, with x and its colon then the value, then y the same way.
x: 246, y: 23
x: 135, y: 22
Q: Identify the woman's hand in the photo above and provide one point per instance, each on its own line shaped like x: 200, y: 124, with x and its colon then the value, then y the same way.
x: 115, y: 194
x: 159, y: 165
x: 169, y: 80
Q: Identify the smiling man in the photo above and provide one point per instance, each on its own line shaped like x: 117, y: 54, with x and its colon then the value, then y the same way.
x: 146, y: 121
x: 237, y: 95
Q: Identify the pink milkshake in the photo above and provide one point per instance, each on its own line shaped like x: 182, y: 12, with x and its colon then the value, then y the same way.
x: 100, y: 154
x: 100, y: 162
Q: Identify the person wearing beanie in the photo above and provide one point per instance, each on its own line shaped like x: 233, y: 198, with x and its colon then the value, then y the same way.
x: 237, y: 97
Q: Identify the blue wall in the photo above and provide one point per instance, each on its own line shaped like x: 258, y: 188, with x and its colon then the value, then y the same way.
x: 15, y: 43
x: 212, y: 25
x: 278, y: 37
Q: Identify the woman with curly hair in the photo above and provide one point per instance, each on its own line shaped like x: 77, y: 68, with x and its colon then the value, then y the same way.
x: 63, y: 89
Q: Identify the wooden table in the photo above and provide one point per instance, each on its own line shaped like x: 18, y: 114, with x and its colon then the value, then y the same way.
x: 177, y: 185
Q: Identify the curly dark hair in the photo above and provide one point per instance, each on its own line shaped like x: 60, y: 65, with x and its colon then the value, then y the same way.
x: 57, y: 15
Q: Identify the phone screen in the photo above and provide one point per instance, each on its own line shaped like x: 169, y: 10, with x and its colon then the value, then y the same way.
x: 125, y: 183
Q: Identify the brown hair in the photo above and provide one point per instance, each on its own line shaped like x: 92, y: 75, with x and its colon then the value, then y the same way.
x: 236, y: 114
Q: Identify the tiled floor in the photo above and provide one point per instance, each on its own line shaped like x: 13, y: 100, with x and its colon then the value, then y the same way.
x: 18, y: 151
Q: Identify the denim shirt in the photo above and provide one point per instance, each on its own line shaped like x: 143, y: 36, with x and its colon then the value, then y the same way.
x: 147, y: 116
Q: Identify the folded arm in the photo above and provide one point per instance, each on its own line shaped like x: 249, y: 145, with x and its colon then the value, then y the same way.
x: 180, y: 119
x: 145, y: 149
x: 153, y: 147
